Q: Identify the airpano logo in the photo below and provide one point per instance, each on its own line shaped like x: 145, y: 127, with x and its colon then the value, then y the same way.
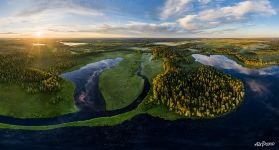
x: 264, y: 144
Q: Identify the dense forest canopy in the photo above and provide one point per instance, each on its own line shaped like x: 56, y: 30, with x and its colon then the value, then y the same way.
x: 194, y: 90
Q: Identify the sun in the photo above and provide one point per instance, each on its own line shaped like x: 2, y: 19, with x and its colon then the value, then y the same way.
x: 38, y: 34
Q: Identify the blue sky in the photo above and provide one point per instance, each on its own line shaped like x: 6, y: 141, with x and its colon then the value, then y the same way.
x: 139, y: 18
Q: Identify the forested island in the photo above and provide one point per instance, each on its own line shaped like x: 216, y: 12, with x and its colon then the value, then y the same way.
x: 204, y: 92
x: 194, y: 90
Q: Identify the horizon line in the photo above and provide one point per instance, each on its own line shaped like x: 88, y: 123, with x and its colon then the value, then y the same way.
x: 140, y: 38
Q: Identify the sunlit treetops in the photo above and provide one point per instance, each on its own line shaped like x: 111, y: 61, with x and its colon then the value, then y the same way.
x: 196, y: 91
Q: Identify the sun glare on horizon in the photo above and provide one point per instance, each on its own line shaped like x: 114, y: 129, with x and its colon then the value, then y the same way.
x: 38, y: 34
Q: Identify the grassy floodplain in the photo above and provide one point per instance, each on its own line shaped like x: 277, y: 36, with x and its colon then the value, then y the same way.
x: 20, y: 104
x: 120, y: 85
x: 30, y: 86
x: 151, y: 67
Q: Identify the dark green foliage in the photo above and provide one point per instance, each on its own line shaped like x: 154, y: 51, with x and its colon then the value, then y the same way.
x: 194, y: 90
x: 20, y: 68
x: 204, y: 92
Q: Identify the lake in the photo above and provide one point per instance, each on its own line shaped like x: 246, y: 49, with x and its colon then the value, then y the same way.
x: 73, y: 43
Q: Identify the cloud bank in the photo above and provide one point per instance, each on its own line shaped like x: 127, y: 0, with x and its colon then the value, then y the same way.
x: 173, y: 17
x: 240, y: 12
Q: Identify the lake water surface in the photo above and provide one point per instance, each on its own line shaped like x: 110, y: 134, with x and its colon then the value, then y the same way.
x: 258, y: 116
x: 87, y: 94
x: 73, y: 43
x: 223, y: 62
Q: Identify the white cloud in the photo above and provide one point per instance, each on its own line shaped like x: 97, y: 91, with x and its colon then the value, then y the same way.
x: 239, y: 10
x: 204, y: 2
x: 192, y: 17
x: 61, y: 7
x: 37, y: 11
x: 132, y: 28
x: 139, y: 28
x: 174, y: 7
x: 187, y: 22
x: 237, y: 13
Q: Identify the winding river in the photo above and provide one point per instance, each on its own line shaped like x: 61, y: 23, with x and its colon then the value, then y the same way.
x: 87, y: 95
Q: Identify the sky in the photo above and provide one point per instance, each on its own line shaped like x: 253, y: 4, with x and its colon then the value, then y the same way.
x: 139, y: 18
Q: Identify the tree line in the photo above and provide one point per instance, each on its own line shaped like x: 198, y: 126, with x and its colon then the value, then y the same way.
x: 18, y: 68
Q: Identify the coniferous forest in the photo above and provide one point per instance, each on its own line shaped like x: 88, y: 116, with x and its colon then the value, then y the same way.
x: 195, y: 91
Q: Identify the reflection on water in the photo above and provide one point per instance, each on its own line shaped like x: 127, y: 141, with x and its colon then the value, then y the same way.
x: 261, y: 84
x: 193, y: 50
x: 87, y: 94
x: 140, y: 48
x: 171, y: 43
x: 257, y: 86
x: 73, y: 43
x: 38, y: 44
x: 223, y: 62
